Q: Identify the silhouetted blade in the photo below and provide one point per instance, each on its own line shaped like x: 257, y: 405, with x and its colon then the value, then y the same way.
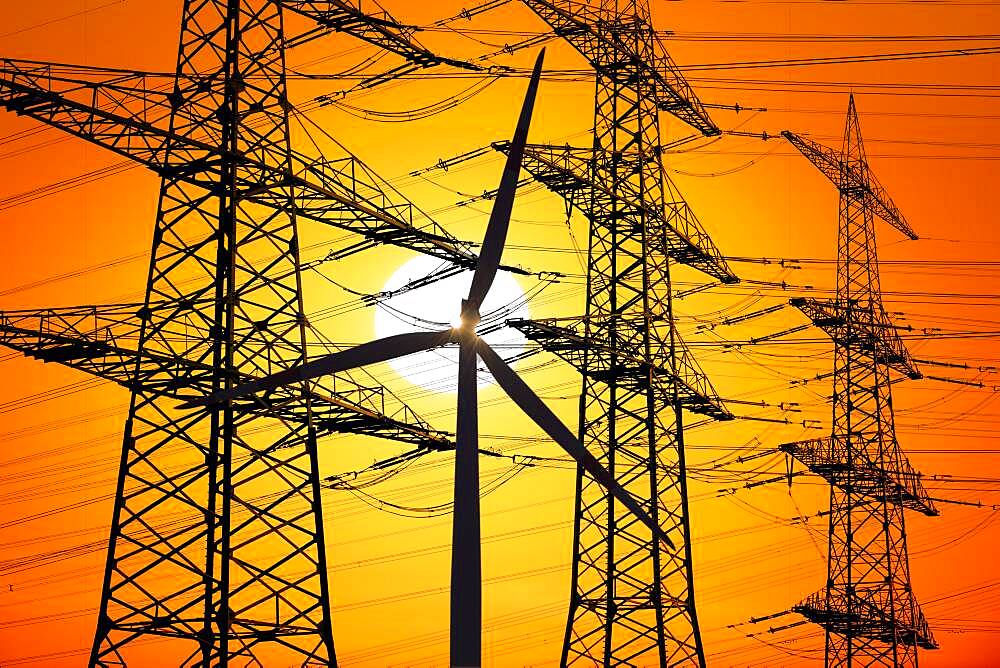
x: 536, y: 409
x: 496, y: 230
x: 380, y: 350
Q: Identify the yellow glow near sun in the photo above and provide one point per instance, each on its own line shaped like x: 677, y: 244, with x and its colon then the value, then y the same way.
x: 438, y: 306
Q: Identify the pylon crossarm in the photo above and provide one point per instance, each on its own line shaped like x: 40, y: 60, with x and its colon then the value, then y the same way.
x: 370, y: 22
x: 117, y: 111
x: 695, y: 381
x: 878, y: 201
x: 676, y: 96
x: 346, y: 193
x: 688, y: 385
x: 103, y: 341
x: 839, y: 460
x: 566, y: 171
x: 121, y: 112
x: 845, y: 613
x: 561, y: 169
x: 861, y: 330
x: 858, y: 180
x: 826, y: 160
x: 585, y: 28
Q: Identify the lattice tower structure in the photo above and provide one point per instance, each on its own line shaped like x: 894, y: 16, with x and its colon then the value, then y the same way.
x: 867, y: 608
x: 632, y: 599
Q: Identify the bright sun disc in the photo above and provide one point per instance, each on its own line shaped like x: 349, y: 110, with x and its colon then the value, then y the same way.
x: 438, y: 306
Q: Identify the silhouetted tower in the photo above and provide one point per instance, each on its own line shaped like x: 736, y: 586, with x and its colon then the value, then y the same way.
x: 867, y: 607
x: 217, y: 536
x: 632, y: 599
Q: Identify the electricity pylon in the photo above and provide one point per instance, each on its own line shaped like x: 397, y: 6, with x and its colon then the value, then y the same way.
x: 632, y: 600
x: 867, y: 608
x: 217, y: 539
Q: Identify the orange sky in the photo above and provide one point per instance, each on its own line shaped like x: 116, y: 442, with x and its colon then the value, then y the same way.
x: 937, y: 155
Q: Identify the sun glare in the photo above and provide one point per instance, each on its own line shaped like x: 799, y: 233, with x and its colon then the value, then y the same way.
x: 438, y: 306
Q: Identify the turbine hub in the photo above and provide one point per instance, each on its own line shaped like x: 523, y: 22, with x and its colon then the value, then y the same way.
x: 470, y: 315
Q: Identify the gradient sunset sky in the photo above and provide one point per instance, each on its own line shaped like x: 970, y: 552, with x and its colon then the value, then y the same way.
x: 932, y: 131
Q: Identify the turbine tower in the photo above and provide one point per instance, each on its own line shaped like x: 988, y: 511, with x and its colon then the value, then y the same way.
x: 217, y: 539
x: 632, y: 600
x: 867, y: 608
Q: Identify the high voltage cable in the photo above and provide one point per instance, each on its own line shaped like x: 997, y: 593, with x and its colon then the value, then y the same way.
x: 586, y: 75
x: 121, y: 167
x: 60, y: 19
x: 756, y: 260
x: 755, y: 37
x: 790, y: 261
x: 859, y: 86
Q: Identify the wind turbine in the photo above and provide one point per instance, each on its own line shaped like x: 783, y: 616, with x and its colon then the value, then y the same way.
x: 466, y: 571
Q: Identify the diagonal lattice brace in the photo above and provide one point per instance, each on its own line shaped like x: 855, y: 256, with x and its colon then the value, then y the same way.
x: 567, y: 171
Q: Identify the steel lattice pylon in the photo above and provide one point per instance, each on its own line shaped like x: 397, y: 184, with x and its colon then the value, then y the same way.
x: 632, y: 599
x: 249, y: 493
x: 867, y: 608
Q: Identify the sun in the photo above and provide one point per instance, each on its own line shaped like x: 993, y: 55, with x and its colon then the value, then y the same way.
x: 437, y: 306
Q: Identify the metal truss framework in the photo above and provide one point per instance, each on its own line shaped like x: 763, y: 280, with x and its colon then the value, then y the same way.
x: 217, y: 537
x: 632, y: 599
x: 569, y: 171
x: 867, y: 607
x: 103, y: 341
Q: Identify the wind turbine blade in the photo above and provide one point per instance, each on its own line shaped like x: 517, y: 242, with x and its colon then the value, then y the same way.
x: 380, y: 350
x: 535, y: 408
x: 496, y: 230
